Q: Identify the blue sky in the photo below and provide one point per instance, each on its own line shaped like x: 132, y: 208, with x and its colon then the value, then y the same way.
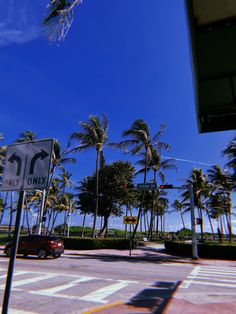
x: 128, y: 59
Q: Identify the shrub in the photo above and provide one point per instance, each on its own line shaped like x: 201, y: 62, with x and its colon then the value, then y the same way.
x: 74, y: 243
x: 205, y: 250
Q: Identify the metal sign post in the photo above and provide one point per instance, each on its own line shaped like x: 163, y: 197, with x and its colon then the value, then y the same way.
x: 27, y: 167
x: 13, y: 253
x: 130, y: 220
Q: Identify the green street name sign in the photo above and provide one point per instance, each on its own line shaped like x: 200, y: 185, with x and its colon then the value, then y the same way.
x: 146, y: 186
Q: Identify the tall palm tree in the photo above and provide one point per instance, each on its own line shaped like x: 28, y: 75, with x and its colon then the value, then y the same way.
x: 2, y: 154
x: 222, y: 186
x: 139, y: 141
x: 157, y: 165
x: 178, y: 207
x: 230, y: 153
x: 27, y: 136
x: 94, y: 134
x: 59, y: 18
x: 201, y: 191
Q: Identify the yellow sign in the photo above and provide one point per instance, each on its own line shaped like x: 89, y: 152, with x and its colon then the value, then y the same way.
x: 130, y: 220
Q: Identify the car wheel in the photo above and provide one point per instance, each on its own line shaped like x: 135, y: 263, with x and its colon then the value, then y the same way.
x: 42, y: 254
x: 8, y: 252
x: 56, y: 255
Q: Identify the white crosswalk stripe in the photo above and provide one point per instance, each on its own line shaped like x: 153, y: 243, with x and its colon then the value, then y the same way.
x: 211, y: 276
x: 63, y: 284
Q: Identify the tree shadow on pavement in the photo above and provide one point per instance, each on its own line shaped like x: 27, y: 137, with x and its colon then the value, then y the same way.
x: 155, y: 299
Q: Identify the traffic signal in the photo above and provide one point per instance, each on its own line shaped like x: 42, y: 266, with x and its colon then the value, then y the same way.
x: 128, y: 186
x: 199, y: 221
x: 166, y: 186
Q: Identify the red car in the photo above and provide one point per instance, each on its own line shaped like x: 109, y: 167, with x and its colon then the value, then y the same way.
x: 39, y: 245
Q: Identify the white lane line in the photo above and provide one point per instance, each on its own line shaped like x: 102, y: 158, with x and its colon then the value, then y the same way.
x: 198, y: 282
x: 210, y: 278
x: 217, y: 272
x: 29, y: 280
x: 100, y: 294
x: 215, y: 275
x: 15, y: 274
x: 230, y: 269
x: 53, y: 291
x: 186, y: 283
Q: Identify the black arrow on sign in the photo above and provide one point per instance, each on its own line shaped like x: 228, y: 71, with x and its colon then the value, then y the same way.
x: 16, y: 158
x: 41, y: 155
x: 130, y: 220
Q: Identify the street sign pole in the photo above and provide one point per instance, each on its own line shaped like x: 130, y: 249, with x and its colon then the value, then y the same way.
x: 194, y: 237
x: 130, y: 240
x: 13, y: 253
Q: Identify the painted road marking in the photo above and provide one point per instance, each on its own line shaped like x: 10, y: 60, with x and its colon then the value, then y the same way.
x: 100, y: 294
x: 52, y: 292
x: 211, y: 276
x: 29, y: 280
x: 15, y: 274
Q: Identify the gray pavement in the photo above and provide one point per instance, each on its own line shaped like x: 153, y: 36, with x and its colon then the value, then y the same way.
x: 179, y: 301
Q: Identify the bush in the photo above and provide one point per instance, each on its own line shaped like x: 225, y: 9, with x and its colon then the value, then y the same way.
x: 205, y: 250
x: 74, y: 243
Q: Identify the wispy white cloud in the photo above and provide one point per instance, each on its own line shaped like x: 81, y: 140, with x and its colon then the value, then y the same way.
x: 20, y: 20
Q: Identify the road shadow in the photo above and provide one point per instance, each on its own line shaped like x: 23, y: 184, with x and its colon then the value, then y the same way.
x: 155, y: 299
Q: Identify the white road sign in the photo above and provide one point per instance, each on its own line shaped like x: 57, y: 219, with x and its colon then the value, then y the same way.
x: 27, y: 166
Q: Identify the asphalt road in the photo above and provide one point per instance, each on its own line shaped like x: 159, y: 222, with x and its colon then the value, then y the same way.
x: 76, y: 283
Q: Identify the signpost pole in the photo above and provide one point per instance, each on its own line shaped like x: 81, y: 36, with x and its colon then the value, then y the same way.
x: 13, y: 253
x: 130, y: 240
x: 194, y: 237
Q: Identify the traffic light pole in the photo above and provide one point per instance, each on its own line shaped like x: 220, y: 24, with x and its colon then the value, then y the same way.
x: 193, y: 223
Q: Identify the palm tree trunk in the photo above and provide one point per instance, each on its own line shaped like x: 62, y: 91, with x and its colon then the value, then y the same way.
x: 182, y: 218
x: 82, y: 232
x: 96, y: 193
x: 142, y: 201
x: 157, y: 225
x: 105, y: 226
x: 4, y: 208
x: 126, y: 214
x: 11, y: 213
x: 211, y: 225
x: 201, y: 225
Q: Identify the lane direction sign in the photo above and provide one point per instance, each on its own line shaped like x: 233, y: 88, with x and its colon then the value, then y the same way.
x: 130, y: 220
x: 27, y: 166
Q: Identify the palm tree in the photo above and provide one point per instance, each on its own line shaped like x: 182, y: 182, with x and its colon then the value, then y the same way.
x: 64, y: 181
x: 157, y: 165
x: 178, y: 207
x: 141, y: 141
x: 59, y: 18
x: 222, y: 186
x: 2, y: 154
x: 230, y: 153
x: 201, y: 191
x: 93, y: 135
x: 26, y: 136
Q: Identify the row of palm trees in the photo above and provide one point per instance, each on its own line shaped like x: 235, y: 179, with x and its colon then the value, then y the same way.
x: 212, y: 190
